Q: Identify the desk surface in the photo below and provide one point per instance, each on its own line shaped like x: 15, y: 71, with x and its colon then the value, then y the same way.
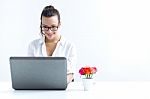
x: 100, y: 90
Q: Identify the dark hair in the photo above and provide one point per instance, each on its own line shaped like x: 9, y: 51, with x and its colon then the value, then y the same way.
x: 50, y: 11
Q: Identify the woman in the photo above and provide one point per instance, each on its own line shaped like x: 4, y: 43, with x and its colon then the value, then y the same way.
x: 52, y: 43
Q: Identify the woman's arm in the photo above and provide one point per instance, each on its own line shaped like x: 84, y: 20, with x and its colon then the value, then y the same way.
x: 72, y: 59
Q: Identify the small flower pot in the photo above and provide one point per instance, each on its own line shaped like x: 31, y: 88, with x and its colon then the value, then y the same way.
x: 87, y: 84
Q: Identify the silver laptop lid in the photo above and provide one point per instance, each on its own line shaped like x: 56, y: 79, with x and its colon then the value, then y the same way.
x: 39, y: 72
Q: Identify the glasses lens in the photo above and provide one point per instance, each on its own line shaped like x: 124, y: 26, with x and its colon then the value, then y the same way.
x: 53, y: 28
x: 44, y: 28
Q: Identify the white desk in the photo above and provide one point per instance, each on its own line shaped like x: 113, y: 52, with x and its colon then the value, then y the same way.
x: 101, y: 90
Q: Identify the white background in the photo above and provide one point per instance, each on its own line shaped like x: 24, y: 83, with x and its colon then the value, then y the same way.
x: 113, y: 35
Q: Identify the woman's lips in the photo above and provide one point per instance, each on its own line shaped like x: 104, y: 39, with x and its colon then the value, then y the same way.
x: 49, y: 35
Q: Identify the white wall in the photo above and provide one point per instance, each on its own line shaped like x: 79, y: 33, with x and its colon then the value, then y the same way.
x: 110, y: 34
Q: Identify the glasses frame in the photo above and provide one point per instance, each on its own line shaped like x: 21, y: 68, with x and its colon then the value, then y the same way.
x: 46, y: 28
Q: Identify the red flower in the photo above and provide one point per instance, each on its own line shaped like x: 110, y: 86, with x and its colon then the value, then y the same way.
x: 94, y: 70
x: 88, y: 71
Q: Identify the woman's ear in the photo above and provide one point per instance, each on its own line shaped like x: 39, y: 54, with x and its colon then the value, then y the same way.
x: 59, y: 24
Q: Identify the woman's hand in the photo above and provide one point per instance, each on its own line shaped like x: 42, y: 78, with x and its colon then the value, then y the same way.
x: 69, y: 77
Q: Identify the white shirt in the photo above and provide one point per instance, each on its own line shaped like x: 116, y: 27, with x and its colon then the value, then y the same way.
x: 64, y: 48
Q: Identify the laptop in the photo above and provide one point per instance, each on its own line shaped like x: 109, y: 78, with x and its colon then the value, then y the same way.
x: 38, y: 73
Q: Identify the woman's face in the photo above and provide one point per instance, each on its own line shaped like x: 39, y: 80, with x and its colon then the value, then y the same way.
x: 50, y: 27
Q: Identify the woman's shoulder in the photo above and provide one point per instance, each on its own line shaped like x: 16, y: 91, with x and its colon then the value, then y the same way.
x: 67, y: 42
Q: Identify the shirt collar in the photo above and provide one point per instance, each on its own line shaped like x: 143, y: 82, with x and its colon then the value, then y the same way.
x: 62, y: 41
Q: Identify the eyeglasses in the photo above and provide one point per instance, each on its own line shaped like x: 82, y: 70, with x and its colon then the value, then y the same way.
x: 53, y: 28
